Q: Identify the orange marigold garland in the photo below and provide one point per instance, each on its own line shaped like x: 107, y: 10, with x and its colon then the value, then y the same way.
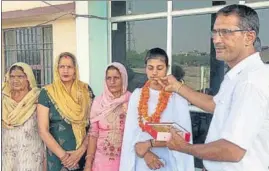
x: 143, y: 106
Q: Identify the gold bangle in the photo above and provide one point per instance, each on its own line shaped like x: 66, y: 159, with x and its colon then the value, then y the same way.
x: 181, y: 83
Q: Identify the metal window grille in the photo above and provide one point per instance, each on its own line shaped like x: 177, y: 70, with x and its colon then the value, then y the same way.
x: 33, y: 46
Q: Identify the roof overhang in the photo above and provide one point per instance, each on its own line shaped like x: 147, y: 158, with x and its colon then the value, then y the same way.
x: 40, y: 13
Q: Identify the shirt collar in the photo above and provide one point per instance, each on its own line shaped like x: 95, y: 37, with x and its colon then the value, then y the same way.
x: 250, y: 60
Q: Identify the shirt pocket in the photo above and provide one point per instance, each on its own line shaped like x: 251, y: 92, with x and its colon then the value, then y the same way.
x: 222, y: 109
x: 220, y: 103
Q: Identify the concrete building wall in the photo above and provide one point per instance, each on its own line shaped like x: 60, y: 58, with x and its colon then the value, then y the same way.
x: 24, y: 5
x: 63, y: 29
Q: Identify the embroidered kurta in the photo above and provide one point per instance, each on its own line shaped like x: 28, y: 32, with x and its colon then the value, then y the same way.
x: 22, y: 148
x: 176, y: 111
x: 109, y: 133
x: 107, y: 119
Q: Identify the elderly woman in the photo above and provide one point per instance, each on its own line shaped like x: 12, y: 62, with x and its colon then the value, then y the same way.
x: 22, y: 148
x: 62, y: 116
x: 140, y: 152
x: 107, y: 121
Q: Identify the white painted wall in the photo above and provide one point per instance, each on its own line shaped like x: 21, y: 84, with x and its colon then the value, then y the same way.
x: 82, y: 36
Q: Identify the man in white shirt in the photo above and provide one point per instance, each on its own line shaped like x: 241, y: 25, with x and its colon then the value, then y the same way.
x: 238, y: 137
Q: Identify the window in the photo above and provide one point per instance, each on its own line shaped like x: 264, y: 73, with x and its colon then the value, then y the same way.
x: 132, y: 7
x: 32, y: 46
x: 263, y: 35
x: 191, y: 55
x: 191, y: 50
x: 183, y: 5
x: 131, y: 41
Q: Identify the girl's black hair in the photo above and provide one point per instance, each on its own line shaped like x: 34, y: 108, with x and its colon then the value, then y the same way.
x: 157, y: 53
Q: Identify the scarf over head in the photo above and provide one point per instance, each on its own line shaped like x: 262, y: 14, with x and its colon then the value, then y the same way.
x: 106, y: 103
x: 17, y: 113
x: 73, y: 106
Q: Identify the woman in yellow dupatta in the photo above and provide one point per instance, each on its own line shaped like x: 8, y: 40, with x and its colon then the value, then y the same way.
x: 62, y: 116
x: 22, y: 148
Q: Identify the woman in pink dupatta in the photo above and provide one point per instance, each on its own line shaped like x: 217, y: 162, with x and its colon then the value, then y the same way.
x: 107, y: 119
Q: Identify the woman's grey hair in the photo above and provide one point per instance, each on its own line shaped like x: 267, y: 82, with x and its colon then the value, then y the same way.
x: 14, y: 67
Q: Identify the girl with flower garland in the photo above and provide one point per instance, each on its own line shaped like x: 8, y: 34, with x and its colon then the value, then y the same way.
x: 152, y: 104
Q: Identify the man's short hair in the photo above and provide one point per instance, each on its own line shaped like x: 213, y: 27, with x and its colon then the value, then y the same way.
x: 248, y: 19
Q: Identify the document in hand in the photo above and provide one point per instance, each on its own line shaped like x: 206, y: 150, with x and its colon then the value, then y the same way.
x: 161, y: 131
